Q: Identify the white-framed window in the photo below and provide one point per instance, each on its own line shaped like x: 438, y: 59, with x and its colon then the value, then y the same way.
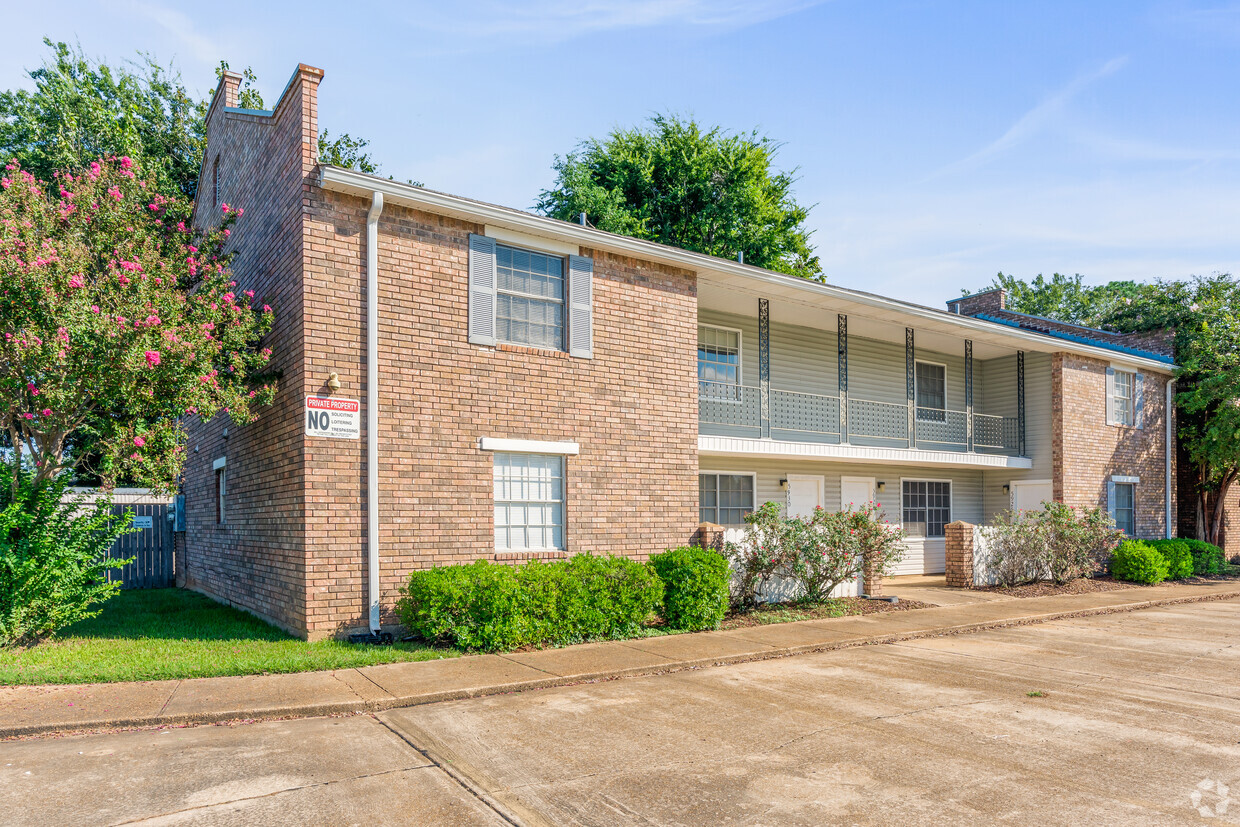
x: 1122, y: 503
x: 529, y: 307
x: 725, y: 497
x: 931, y: 391
x: 926, y: 507
x: 719, y: 362
x: 529, y: 502
x: 1125, y: 397
x: 221, y: 488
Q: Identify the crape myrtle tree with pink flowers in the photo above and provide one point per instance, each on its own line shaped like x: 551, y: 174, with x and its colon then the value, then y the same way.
x: 116, y: 325
x: 117, y: 322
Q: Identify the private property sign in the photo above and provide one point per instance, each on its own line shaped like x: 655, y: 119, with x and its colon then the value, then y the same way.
x: 333, y: 417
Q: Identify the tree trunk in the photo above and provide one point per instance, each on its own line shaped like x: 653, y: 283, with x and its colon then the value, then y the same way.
x: 1214, y: 529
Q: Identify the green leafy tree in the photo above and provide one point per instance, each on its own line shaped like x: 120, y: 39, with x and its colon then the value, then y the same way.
x: 81, y: 109
x: 1203, y: 312
x: 1068, y: 298
x: 676, y: 183
x: 1206, y: 314
x: 116, y: 321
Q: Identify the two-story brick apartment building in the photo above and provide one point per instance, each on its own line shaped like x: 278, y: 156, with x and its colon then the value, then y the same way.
x: 506, y: 386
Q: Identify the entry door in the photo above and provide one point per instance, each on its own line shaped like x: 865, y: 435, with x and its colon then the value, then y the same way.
x: 804, y: 495
x: 1028, y: 495
x: 856, y: 491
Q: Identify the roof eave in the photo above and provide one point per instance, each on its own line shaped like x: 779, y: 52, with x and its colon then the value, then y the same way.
x: 339, y: 179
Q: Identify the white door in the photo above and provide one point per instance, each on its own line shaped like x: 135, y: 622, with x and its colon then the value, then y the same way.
x: 1028, y: 495
x: 856, y: 491
x: 804, y: 495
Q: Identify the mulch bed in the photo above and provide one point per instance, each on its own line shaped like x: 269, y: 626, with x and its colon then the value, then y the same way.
x: 1104, y: 583
x: 840, y: 607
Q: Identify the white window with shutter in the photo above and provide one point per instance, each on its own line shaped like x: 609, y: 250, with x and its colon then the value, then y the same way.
x: 525, y: 297
x: 1125, y: 397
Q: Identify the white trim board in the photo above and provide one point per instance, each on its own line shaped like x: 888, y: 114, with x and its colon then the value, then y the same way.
x: 528, y: 446
x: 725, y: 446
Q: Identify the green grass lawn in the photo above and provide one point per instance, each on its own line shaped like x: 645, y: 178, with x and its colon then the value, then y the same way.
x: 155, y: 634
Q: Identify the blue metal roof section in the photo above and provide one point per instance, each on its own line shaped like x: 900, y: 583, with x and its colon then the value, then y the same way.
x: 1082, y: 340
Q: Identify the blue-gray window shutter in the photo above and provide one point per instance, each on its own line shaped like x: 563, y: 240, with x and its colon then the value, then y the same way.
x: 1111, y: 499
x: 580, y: 307
x: 1138, y: 417
x: 482, y: 279
x: 1111, y: 396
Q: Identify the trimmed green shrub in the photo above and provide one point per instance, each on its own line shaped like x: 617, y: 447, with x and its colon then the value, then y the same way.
x: 1207, y: 557
x: 53, y: 557
x: 1179, y: 557
x: 479, y: 606
x: 1139, y: 562
x: 492, y: 607
x: 695, y: 586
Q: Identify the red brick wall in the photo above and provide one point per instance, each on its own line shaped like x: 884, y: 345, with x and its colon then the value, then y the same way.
x: 1087, y: 451
x: 293, y: 549
x: 256, y: 560
x: 632, y: 408
x: 990, y: 301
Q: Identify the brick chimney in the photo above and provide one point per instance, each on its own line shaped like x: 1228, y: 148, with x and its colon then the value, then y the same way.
x: 989, y: 301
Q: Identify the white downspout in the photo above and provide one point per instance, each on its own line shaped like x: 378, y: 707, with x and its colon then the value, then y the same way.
x: 372, y: 405
x: 1169, y: 413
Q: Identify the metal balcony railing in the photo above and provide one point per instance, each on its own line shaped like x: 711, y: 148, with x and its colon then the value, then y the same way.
x: 736, y: 410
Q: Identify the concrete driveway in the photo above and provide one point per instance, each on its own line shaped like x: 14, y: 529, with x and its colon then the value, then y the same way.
x: 1137, y: 723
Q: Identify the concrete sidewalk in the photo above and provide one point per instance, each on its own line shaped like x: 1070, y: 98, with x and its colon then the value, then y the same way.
x: 30, y: 710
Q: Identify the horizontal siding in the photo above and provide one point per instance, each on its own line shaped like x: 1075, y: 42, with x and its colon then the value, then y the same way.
x: 804, y: 360
x: 967, y: 501
x: 999, y: 377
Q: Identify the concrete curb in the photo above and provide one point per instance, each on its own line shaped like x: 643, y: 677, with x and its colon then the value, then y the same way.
x: 393, y: 701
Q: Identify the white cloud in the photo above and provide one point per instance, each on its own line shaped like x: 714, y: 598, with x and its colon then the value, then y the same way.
x: 1047, y: 113
x: 558, y: 20
x: 925, y: 245
x: 182, y: 28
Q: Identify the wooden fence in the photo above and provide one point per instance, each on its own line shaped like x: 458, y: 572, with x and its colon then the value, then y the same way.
x: 150, y: 547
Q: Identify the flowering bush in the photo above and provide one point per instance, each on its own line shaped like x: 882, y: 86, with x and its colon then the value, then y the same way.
x: 818, y: 552
x: 1058, y: 543
x: 116, y: 320
x: 760, y: 557
x: 832, y: 547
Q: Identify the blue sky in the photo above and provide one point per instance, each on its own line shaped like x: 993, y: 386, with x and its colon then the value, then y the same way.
x: 940, y: 142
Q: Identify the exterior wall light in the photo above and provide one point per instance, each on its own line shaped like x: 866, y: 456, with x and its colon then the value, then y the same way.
x: 333, y: 381
x: 880, y: 487
x: 783, y: 483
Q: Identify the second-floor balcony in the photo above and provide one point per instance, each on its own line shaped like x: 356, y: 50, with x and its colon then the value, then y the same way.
x: 796, y: 379
x: 737, y: 410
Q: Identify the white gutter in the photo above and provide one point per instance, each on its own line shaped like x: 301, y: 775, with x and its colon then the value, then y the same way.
x: 372, y: 404
x: 338, y: 179
x: 1168, y: 413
